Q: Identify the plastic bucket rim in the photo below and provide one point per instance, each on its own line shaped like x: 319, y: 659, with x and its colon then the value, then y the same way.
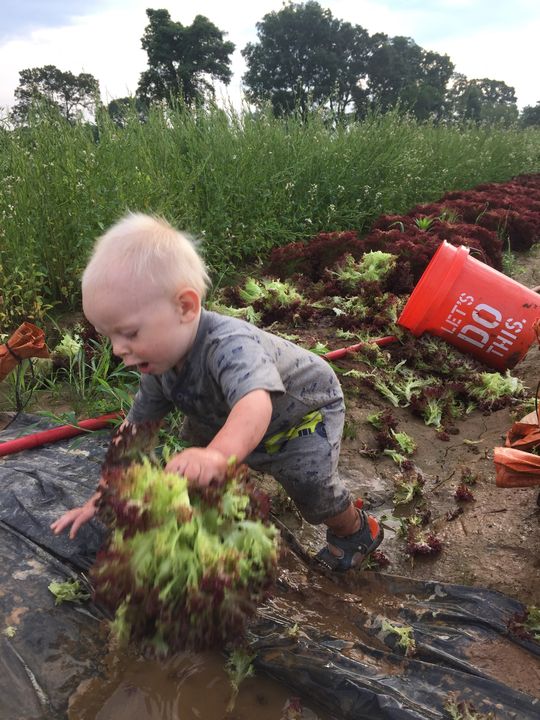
x: 460, y: 254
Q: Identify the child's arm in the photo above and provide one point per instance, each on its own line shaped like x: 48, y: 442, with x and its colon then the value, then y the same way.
x: 149, y: 404
x: 246, y: 425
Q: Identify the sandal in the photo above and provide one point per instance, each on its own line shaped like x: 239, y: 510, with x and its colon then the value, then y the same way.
x: 353, y: 549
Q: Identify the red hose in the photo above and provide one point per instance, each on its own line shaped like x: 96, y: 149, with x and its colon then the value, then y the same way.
x: 58, y: 433
x: 335, y: 354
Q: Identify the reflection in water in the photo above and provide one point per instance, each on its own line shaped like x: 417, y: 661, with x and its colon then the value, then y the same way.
x: 187, y: 687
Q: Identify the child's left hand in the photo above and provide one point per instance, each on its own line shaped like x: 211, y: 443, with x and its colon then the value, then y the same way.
x: 199, y: 465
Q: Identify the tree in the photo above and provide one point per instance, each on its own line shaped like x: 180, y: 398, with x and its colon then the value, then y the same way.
x: 306, y: 58
x: 182, y: 58
x: 401, y: 72
x: 499, y: 102
x: 464, y: 99
x: 530, y: 116
x: 482, y: 100
x: 47, y: 86
x: 120, y: 109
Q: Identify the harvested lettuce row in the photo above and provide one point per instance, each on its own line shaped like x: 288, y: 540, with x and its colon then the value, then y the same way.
x: 407, y: 487
x: 271, y: 300
x: 244, y: 313
x: 372, y: 267
x: 404, y: 441
x: 463, y: 493
x: 375, y: 420
x: 396, y: 456
x: 422, y: 542
x: 492, y: 389
x: 270, y: 291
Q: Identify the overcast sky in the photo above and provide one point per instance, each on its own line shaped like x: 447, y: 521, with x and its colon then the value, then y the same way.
x: 497, y: 39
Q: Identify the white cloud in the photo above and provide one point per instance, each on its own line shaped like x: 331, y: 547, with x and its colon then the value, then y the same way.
x: 377, y: 16
x: 96, y: 44
x: 509, y: 55
x: 107, y: 44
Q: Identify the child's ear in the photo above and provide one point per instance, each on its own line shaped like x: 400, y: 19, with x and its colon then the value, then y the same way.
x: 188, y: 304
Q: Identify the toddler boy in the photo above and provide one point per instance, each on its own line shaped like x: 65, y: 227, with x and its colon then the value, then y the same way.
x: 245, y: 392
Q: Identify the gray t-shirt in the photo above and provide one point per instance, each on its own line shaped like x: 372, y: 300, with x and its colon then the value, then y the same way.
x: 230, y: 358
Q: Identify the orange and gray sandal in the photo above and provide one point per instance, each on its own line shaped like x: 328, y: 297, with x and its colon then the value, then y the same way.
x: 350, y: 551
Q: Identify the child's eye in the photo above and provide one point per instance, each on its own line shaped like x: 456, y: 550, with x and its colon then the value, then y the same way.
x: 131, y: 335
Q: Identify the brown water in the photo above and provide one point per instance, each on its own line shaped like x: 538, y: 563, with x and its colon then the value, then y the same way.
x: 190, y: 686
x: 186, y: 687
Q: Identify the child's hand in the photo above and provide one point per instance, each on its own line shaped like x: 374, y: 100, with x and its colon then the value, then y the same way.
x: 76, y: 517
x: 199, y: 465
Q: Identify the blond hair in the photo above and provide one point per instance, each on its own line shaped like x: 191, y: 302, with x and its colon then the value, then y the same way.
x: 150, y: 250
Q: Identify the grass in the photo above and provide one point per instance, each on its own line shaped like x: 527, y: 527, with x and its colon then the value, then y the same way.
x: 86, y: 382
x: 242, y: 183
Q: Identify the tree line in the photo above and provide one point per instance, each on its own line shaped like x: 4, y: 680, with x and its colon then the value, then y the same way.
x: 304, y: 59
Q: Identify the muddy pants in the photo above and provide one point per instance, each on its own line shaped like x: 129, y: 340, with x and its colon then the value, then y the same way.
x: 304, y: 460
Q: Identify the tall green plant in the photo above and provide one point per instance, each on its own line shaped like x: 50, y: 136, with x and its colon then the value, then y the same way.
x: 242, y: 182
x: 87, y: 379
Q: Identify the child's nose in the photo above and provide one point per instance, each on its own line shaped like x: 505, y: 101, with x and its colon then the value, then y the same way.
x: 120, y: 347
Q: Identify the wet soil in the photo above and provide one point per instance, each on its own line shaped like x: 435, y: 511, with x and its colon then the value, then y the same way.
x: 344, y: 607
x: 518, y: 670
x: 495, y: 541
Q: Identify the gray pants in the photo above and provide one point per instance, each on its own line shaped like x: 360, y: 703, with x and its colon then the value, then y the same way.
x: 305, y: 464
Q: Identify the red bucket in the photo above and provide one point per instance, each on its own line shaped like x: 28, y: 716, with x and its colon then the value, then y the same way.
x: 481, y: 311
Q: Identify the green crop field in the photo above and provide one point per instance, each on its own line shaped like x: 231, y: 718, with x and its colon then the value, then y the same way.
x: 242, y: 183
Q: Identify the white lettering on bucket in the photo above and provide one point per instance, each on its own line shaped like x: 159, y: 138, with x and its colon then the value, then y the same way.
x: 505, y: 339
x: 515, y: 325
x: 468, y: 330
x: 453, y: 320
x: 485, y: 318
x: 494, y: 352
x: 479, y: 315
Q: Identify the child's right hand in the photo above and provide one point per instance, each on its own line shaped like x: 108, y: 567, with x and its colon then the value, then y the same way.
x: 76, y: 517
x: 199, y: 465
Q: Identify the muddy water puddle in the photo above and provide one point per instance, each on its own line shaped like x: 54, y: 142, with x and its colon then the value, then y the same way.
x: 187, y: 687
x: 190, y: 686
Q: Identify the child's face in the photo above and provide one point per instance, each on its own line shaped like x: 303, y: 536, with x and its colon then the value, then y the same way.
x: 146, y: 328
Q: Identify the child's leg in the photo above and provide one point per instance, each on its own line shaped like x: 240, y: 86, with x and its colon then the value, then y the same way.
x: 346, y: 523
x: 304, y: 461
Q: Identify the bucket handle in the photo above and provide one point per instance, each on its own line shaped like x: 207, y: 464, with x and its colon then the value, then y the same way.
x: 536, y: 328
x: 479, y: 253
x: 536, y: 404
